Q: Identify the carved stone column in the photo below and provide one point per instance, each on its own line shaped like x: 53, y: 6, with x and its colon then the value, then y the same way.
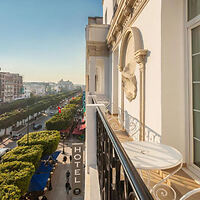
x: 122, y: 99
x: 140, y: 57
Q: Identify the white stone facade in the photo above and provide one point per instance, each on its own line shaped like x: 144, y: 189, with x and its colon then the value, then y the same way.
x: 163, y: 98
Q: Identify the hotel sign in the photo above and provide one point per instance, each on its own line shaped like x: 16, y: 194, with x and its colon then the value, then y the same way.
x: 77, y: 171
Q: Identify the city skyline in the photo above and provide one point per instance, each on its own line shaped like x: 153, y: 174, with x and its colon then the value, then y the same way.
x: 46, y: 46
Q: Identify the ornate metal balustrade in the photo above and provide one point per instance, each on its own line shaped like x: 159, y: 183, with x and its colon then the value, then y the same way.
x: 132, y: 124
x: 118, y: 178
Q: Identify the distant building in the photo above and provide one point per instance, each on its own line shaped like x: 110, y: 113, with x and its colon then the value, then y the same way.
x: 11, y: 86
x: 77, y: 86
x: 53, y: 88
x: 35, y: 88
x: 65, y: 85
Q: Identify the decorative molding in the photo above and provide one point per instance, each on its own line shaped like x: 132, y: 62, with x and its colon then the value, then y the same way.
x: 140, y: 57
x: 129, y: 82
x: 94, y: 48
x: 127, y: 12
x: 120, y: 68
x: 127, y: 69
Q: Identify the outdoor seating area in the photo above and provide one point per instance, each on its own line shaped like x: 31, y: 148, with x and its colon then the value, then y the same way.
x: 169, y: 181
x: 41, y: 180
x: 79, y: 130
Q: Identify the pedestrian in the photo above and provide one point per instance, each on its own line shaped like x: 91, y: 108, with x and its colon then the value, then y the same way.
x: 67, y: 187
x: 65, y: 159
x: 44, y: 198
x: 67, y: 174
x: 70, y: 158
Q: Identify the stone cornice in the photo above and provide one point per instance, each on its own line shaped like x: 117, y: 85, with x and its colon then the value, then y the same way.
x: 94, y: 48
x: 126, y: 13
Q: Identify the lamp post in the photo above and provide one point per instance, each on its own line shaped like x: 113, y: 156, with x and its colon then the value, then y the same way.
x: 28, y: 125
x: 63, y: 144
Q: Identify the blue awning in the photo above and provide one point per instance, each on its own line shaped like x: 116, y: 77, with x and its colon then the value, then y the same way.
x: 38, y: 182
x: 44, y: 168
x: 54, y: 155
x: 40, y: 178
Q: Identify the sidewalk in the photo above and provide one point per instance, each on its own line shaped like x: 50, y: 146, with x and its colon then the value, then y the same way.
x: 59, y: 175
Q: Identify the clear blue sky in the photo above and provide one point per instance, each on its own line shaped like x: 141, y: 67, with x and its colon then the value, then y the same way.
x: 44, y: 40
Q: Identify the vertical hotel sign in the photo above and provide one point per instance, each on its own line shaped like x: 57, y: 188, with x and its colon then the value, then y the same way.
x: 77, y: 170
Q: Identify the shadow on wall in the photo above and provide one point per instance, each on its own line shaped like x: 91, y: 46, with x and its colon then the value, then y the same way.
x: 132, y: 126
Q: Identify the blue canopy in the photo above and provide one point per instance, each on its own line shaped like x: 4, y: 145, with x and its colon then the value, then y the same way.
x: 38, y: 182
x: 40, y: 178
x: 53, y: 155
x: 43, y: 168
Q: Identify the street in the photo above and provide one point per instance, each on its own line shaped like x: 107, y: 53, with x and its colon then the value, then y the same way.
x: 9, y: 143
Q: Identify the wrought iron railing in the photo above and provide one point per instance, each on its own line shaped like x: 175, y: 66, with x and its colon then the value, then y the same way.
x: 132, y: 125
x: 118, y: 178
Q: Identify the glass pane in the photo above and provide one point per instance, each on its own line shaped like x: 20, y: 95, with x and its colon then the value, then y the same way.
x: 197, y: 153
x: 193, y: 8
x: 196, y: 96
x: 196, y: 68
x: 196, y: 124
x: 196, y: 40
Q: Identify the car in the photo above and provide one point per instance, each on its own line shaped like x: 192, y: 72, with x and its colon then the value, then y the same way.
x: 16, y: 136
x: 37, y: 126
x: 51, y: 113
x: 3, y: 151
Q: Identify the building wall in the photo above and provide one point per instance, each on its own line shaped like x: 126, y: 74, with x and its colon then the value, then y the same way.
x: 149, y: 24
x: 96, y: 33
x: 11, y: 86
x: 165, y: 74
x: 107, y: 8
x: 173, y: 75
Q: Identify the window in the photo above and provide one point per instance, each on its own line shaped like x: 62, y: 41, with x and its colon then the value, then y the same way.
x: 193, y: 8
x: 196, y: 93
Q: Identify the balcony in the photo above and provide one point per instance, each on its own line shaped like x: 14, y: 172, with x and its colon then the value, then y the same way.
x: 117, y: 176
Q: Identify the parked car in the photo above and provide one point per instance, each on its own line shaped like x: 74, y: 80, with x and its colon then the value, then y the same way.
x: 51, y: 113
x: 3, y: 151
x: 37, y: 126
x: 16, y: 136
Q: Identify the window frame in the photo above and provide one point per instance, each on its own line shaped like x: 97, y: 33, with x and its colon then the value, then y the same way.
x: 190, y: 25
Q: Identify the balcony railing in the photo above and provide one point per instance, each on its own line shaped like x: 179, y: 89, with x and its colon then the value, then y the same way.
x: 118, y: 178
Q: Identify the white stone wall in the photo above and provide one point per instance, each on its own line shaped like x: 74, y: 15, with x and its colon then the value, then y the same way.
x: 174, y: 76
x: 108, y: 8
x: 149, y: 23
x: 96, y: 33
x: 165, y: 97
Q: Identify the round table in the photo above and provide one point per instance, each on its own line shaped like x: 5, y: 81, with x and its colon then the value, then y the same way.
x: 148, y: 155
x: 153, y: 156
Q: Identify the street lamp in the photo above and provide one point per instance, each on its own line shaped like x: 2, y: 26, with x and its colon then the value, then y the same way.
x: 28, y: 125
x: 63, y: 137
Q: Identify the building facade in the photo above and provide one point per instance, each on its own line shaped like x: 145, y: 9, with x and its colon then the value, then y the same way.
x: 11, y: 86
x: 35, y: 88
x: 65, y: 85
x: 143, y: 58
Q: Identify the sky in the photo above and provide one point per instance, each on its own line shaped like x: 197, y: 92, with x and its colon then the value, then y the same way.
x: 44, y: 40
